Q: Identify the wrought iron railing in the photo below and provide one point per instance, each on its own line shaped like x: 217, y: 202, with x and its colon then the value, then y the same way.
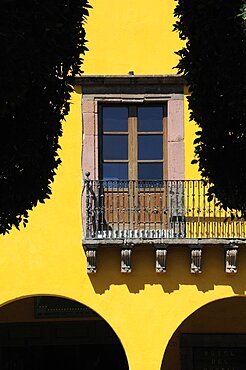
x: 149, y: 209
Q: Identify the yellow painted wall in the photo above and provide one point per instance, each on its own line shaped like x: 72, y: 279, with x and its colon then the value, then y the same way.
x: 143, y: 308
x: 126, y: 35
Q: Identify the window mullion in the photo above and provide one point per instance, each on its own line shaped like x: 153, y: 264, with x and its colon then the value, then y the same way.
x: 132, y: 143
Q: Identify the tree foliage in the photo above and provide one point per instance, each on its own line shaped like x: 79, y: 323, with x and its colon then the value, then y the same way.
x: 213, y: 62
x: 41, y: 47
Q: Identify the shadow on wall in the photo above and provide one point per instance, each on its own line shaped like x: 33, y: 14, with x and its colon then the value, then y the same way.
x: 225, y: 316
x: 178, y: 270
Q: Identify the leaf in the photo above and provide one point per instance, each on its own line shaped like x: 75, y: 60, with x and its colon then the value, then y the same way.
x: 194, y: 161
x: 212, y: 62
x: 41, y: 53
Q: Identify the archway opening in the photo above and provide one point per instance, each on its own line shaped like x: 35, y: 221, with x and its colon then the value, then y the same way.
x: 42, y: 332
x: 213, y: 337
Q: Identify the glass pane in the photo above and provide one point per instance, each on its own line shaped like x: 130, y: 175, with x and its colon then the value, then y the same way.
x: 150, y: 119
x: 115, y: 171
x: 150, y: 146
x: 115, y: 119
x: 150, y: 171
x: 115, y: 147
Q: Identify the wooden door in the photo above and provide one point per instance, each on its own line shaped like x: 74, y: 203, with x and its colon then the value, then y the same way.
x: 133, y: 155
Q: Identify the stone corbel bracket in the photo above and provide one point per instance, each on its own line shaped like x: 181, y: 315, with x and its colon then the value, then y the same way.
x: 91, y: 256
x: 231, y: 259
x: 196, y: 260
x: 126, y: 254
x: 161, y: 259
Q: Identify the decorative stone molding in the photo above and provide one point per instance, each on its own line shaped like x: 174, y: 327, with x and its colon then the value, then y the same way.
x: 196, y: 260
x: 231, y: 259
x: 161, y: 258
x: 126, y: 260
x: 91, y: 255
x: 195, y: 246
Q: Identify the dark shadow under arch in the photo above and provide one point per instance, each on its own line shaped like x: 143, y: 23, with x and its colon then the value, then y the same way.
x: 218, y: 325
x: 66, y: 340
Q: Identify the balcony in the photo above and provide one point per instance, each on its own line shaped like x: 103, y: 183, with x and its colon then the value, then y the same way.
x: 162, y: 213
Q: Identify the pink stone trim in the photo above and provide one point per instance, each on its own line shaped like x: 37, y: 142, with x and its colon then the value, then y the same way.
x: 176, y: 166
x: 88, y: 106
x: 89, y: 145
x: 90, y: 138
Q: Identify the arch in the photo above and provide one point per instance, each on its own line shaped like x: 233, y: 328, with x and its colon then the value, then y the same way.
x: 60, y: 328
x: 62, y: 296
x: 32, y: 295
x: 218, y: 324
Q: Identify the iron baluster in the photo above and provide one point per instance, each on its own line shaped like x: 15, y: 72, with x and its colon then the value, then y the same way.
x: 156, y: 209
x: 193, y: 209
x: 129, y: 208
x: 88, y: 205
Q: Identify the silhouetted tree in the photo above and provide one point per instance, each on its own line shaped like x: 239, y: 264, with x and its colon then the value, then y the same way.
x: 41, y: 47
x: 213, y: 62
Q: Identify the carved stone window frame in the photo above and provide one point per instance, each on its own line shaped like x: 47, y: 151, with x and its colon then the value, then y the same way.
x: 157, y: 89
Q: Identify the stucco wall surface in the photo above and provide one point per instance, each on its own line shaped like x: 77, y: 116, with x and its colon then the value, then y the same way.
x: 47, y: 257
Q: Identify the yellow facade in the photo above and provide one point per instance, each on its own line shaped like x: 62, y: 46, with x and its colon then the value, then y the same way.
x: 46, y: 258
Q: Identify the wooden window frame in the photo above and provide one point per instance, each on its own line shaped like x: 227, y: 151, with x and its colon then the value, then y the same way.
x: 132, y: 134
